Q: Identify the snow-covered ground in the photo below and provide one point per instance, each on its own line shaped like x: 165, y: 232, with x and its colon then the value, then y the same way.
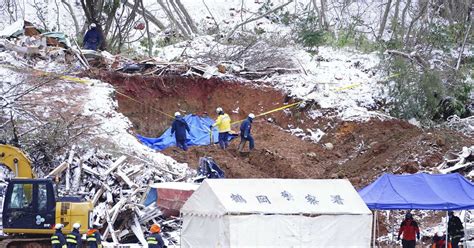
x: 340, y: 79
x: 93, y: 100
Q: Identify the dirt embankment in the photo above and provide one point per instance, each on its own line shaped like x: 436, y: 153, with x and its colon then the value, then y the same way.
x: 361, y: 151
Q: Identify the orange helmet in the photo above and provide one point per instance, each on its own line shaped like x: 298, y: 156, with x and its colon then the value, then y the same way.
x: 155, y: 228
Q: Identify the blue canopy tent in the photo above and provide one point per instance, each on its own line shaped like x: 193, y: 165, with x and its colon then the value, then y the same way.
x: 419, y: 191
x: 198, y: 136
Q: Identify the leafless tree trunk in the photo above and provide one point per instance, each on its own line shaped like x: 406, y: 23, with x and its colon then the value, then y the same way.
x: 57, y: 15
x: 323, y: 19
x: 189, y: 20
x: 447, y: 6
x: 150, y: 44
x: 210, y: 13
x: 383, y: 22
x: 73, y: 16
x: 468, y: 32
x: 149, y: 16
x: 255, y: 18
x: 172, y: 19
x: 181, y: 18
x: 395, y: 20
x: 403, y: 21
x: 414, y: 20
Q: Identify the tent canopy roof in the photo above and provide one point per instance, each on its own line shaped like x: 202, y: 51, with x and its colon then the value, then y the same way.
x: 420, y: 191
x: 217, y: 197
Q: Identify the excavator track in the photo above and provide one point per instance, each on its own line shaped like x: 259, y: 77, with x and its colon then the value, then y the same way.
x: 17, y: 242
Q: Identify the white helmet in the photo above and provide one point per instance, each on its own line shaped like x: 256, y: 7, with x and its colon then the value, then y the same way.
x: 76, y: 226
x: 93, y: 25
x: 177, y: 114
x: 252, y: 116
x: 219, y: 109
x: 58, y: 226
x: 439, y: 234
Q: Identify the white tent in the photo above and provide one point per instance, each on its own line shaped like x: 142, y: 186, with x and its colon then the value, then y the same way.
x: 275, y: 213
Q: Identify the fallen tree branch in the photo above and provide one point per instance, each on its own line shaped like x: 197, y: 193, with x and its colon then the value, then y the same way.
x: 255, y: 18
x: 412, y: 56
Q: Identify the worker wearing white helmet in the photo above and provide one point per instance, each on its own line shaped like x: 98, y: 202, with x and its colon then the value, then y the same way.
x: 223, y: 126
x: 58, y: 240
x: 73, y: 239
x: 179, y: 128
x: 245, y: 134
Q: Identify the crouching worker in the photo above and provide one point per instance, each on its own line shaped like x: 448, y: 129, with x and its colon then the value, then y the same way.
x: 178, y: 128
x: 94, y: 240
x: 73, y: 239
x: 439, y: 241
x: 58, y: 240
x: 154, y: 239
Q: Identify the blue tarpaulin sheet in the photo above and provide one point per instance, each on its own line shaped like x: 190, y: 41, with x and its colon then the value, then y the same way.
x: 198, y: 136
x: 420, y: 191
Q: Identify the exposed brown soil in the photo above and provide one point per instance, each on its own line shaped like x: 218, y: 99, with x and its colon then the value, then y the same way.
x: 362, y: 150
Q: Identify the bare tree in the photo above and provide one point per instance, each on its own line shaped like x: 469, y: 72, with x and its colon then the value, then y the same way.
x: 150, y: 43
x: 383, y: 21
x: 173, y: 20
x: 256, y: 18
x: 70, y: 9
x: 188, y: 18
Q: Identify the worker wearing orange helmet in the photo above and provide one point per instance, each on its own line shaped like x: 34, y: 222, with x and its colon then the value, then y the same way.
x: 154, y: 239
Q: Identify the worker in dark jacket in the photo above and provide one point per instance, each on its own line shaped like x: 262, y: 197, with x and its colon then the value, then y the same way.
x: 409, y: 229
x: 94, y: 240
x: 455, y: 229
x: 93, y: 38
x: 179, y: 128
x: 245, y: 135
x: 73, y: 239
x: 58, y: 240
x: 154, y: 239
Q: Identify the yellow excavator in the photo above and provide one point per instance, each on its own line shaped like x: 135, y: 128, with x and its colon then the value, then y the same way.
x: 31, y: 207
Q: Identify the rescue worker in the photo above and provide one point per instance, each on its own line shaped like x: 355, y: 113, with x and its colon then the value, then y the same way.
x: 58, y: 240
x: 93, y: 38
x: 154, y: 239
x: 73, y: 239
x: 223, y: 125
x: 409, y: 229
x: 439, y: 241
x: 455, y: 229
x: 179, y: 128
x: 245, y: 135
x: 94, y: 240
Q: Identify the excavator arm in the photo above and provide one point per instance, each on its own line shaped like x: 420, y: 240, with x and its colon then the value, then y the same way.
x: 16, y: 161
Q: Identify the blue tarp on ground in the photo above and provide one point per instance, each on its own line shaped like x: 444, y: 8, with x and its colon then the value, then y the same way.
x: 420, y: 191
x: 198, y: 136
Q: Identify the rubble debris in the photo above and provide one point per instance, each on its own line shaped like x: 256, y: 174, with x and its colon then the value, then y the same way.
x: 458, y: 162
x: 117, y: 189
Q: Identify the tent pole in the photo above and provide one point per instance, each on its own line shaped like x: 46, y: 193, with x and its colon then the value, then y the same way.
x: 374, y: 226
x: 447, y: 237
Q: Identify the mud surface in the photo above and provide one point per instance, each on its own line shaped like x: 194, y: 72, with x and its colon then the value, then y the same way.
x: 361, y: 150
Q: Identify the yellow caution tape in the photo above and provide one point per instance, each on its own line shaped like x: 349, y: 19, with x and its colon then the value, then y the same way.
x: 271, y: 111
x: 350, y: 86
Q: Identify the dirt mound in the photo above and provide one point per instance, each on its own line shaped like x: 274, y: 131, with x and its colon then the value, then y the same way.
x: 360, y: 151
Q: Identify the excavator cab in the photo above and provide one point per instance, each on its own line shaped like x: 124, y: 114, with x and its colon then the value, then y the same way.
x: 29, y: 206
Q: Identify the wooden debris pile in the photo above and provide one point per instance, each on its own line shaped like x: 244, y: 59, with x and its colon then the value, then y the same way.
x: 462, y: 162
x: 150, y: 67
x: 117, y: 190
